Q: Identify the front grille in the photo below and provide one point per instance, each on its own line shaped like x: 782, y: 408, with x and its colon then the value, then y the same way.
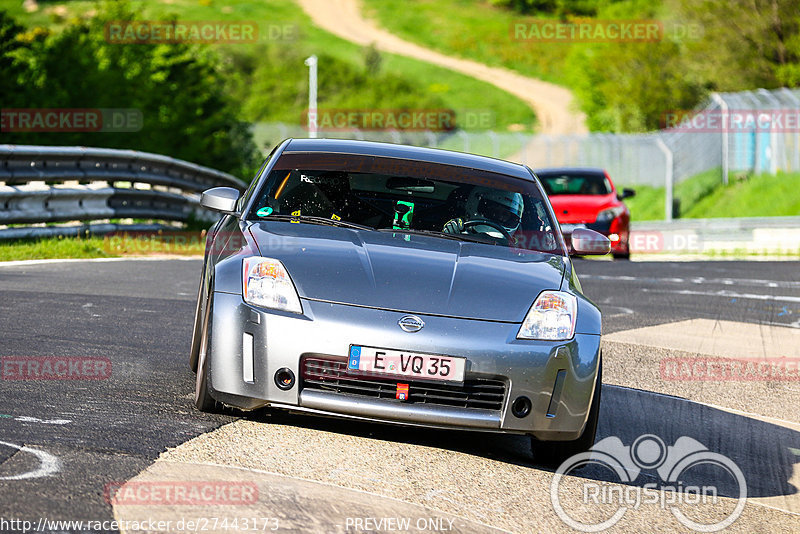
x: 332, y: 375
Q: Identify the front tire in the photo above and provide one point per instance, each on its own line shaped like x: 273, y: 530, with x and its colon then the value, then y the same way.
x: 555, y: 452
x: 203, y: 400
x: 197, y: 329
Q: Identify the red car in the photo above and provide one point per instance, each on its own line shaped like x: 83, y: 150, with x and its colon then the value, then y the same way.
x: 587, y: 198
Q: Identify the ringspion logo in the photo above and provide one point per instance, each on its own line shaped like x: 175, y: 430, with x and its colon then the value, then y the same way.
x: 675, y: 482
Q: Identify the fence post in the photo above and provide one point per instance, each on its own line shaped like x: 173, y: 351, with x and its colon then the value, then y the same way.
x: 495, y: 144
x: 723, y: 106
x: 431, y: 138
x: 667, y: 178
x: 523, y: 145
x: 311, y: 63
x: 795, y: 165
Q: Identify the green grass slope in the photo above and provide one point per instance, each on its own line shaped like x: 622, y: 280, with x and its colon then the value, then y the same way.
x: 472, y: 29
x: 704, y: 197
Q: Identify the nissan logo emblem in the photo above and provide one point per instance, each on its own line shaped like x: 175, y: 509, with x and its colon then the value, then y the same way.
x: 411, y: 323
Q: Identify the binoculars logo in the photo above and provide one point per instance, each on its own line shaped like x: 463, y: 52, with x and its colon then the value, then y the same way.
x: 675, y: 492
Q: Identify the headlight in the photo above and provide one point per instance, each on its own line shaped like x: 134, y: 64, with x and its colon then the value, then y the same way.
x: 552, y: 317
x: 610, y: 214
x: 266, y: 283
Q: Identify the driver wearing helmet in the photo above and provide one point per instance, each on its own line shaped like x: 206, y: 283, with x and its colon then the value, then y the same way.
x: 487, y: 211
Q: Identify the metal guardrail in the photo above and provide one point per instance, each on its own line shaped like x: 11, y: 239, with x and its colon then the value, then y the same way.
x: 47, y: 184
x: 719, y: 224
x: 749, y: 235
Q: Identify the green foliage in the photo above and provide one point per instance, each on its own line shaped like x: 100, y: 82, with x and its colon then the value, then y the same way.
x: 177, y: 88
x: 372, y: 60
x: 273, y: 88
x: 745, y: 44
x: 559, y: 7
x: 707, y: 46
x: 628, y: 87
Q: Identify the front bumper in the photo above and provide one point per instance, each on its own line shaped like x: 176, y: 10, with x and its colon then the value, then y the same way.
x: 325, y: 331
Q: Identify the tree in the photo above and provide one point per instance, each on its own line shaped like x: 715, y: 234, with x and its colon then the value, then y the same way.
x: 177, y: 88
x: 745, y: 44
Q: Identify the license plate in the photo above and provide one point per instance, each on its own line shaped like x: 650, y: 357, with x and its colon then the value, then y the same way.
x: 389, y: 362
x: 568, y: 228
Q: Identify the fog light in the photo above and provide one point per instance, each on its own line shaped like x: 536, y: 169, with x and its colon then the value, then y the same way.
x: 521, y: 407
x: 284, y: 378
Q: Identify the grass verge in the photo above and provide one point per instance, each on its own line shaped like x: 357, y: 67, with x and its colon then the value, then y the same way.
x: 177, y: 243
x: 704, y: 197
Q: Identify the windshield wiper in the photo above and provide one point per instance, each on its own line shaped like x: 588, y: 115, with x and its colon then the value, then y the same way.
x: 312, y: 219
x: 457, y: 237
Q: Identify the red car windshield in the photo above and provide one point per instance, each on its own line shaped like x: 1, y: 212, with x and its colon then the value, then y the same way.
x: 575, y: 184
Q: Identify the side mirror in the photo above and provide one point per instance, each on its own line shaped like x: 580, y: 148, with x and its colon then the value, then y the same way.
x: 585, y: 241
x: 222, y: 199
x: 627, y: 193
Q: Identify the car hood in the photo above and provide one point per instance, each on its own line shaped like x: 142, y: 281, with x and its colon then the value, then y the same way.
x: 409, y: 273
x: 581, y: 208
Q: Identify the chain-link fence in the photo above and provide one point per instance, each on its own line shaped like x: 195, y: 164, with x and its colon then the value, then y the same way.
x: 752, y: 131
x: 630, y: 159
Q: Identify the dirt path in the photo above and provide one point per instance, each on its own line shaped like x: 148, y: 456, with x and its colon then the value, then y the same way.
x: 551, y: 103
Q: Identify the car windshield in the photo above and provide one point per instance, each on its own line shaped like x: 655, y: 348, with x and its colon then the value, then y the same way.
x: 575, y: 184
x: 438, y: 200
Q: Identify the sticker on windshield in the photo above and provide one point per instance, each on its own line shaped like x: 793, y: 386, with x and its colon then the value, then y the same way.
x: 264, y: 212
x: 403, y: 213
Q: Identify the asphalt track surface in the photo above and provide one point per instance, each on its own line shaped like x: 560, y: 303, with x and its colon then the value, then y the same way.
x: 138, y: 314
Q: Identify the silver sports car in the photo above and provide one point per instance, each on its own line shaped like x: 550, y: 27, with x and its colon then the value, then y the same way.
x: 399, y: 284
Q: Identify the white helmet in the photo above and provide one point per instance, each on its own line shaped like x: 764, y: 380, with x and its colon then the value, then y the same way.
x: 496, y: 205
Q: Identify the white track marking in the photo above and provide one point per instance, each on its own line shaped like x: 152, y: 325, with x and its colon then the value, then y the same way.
x: 49, y: 464
x: 28, y: 419
x: 622, y: 311
x: 725, y: 294
x: 697, y: 280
